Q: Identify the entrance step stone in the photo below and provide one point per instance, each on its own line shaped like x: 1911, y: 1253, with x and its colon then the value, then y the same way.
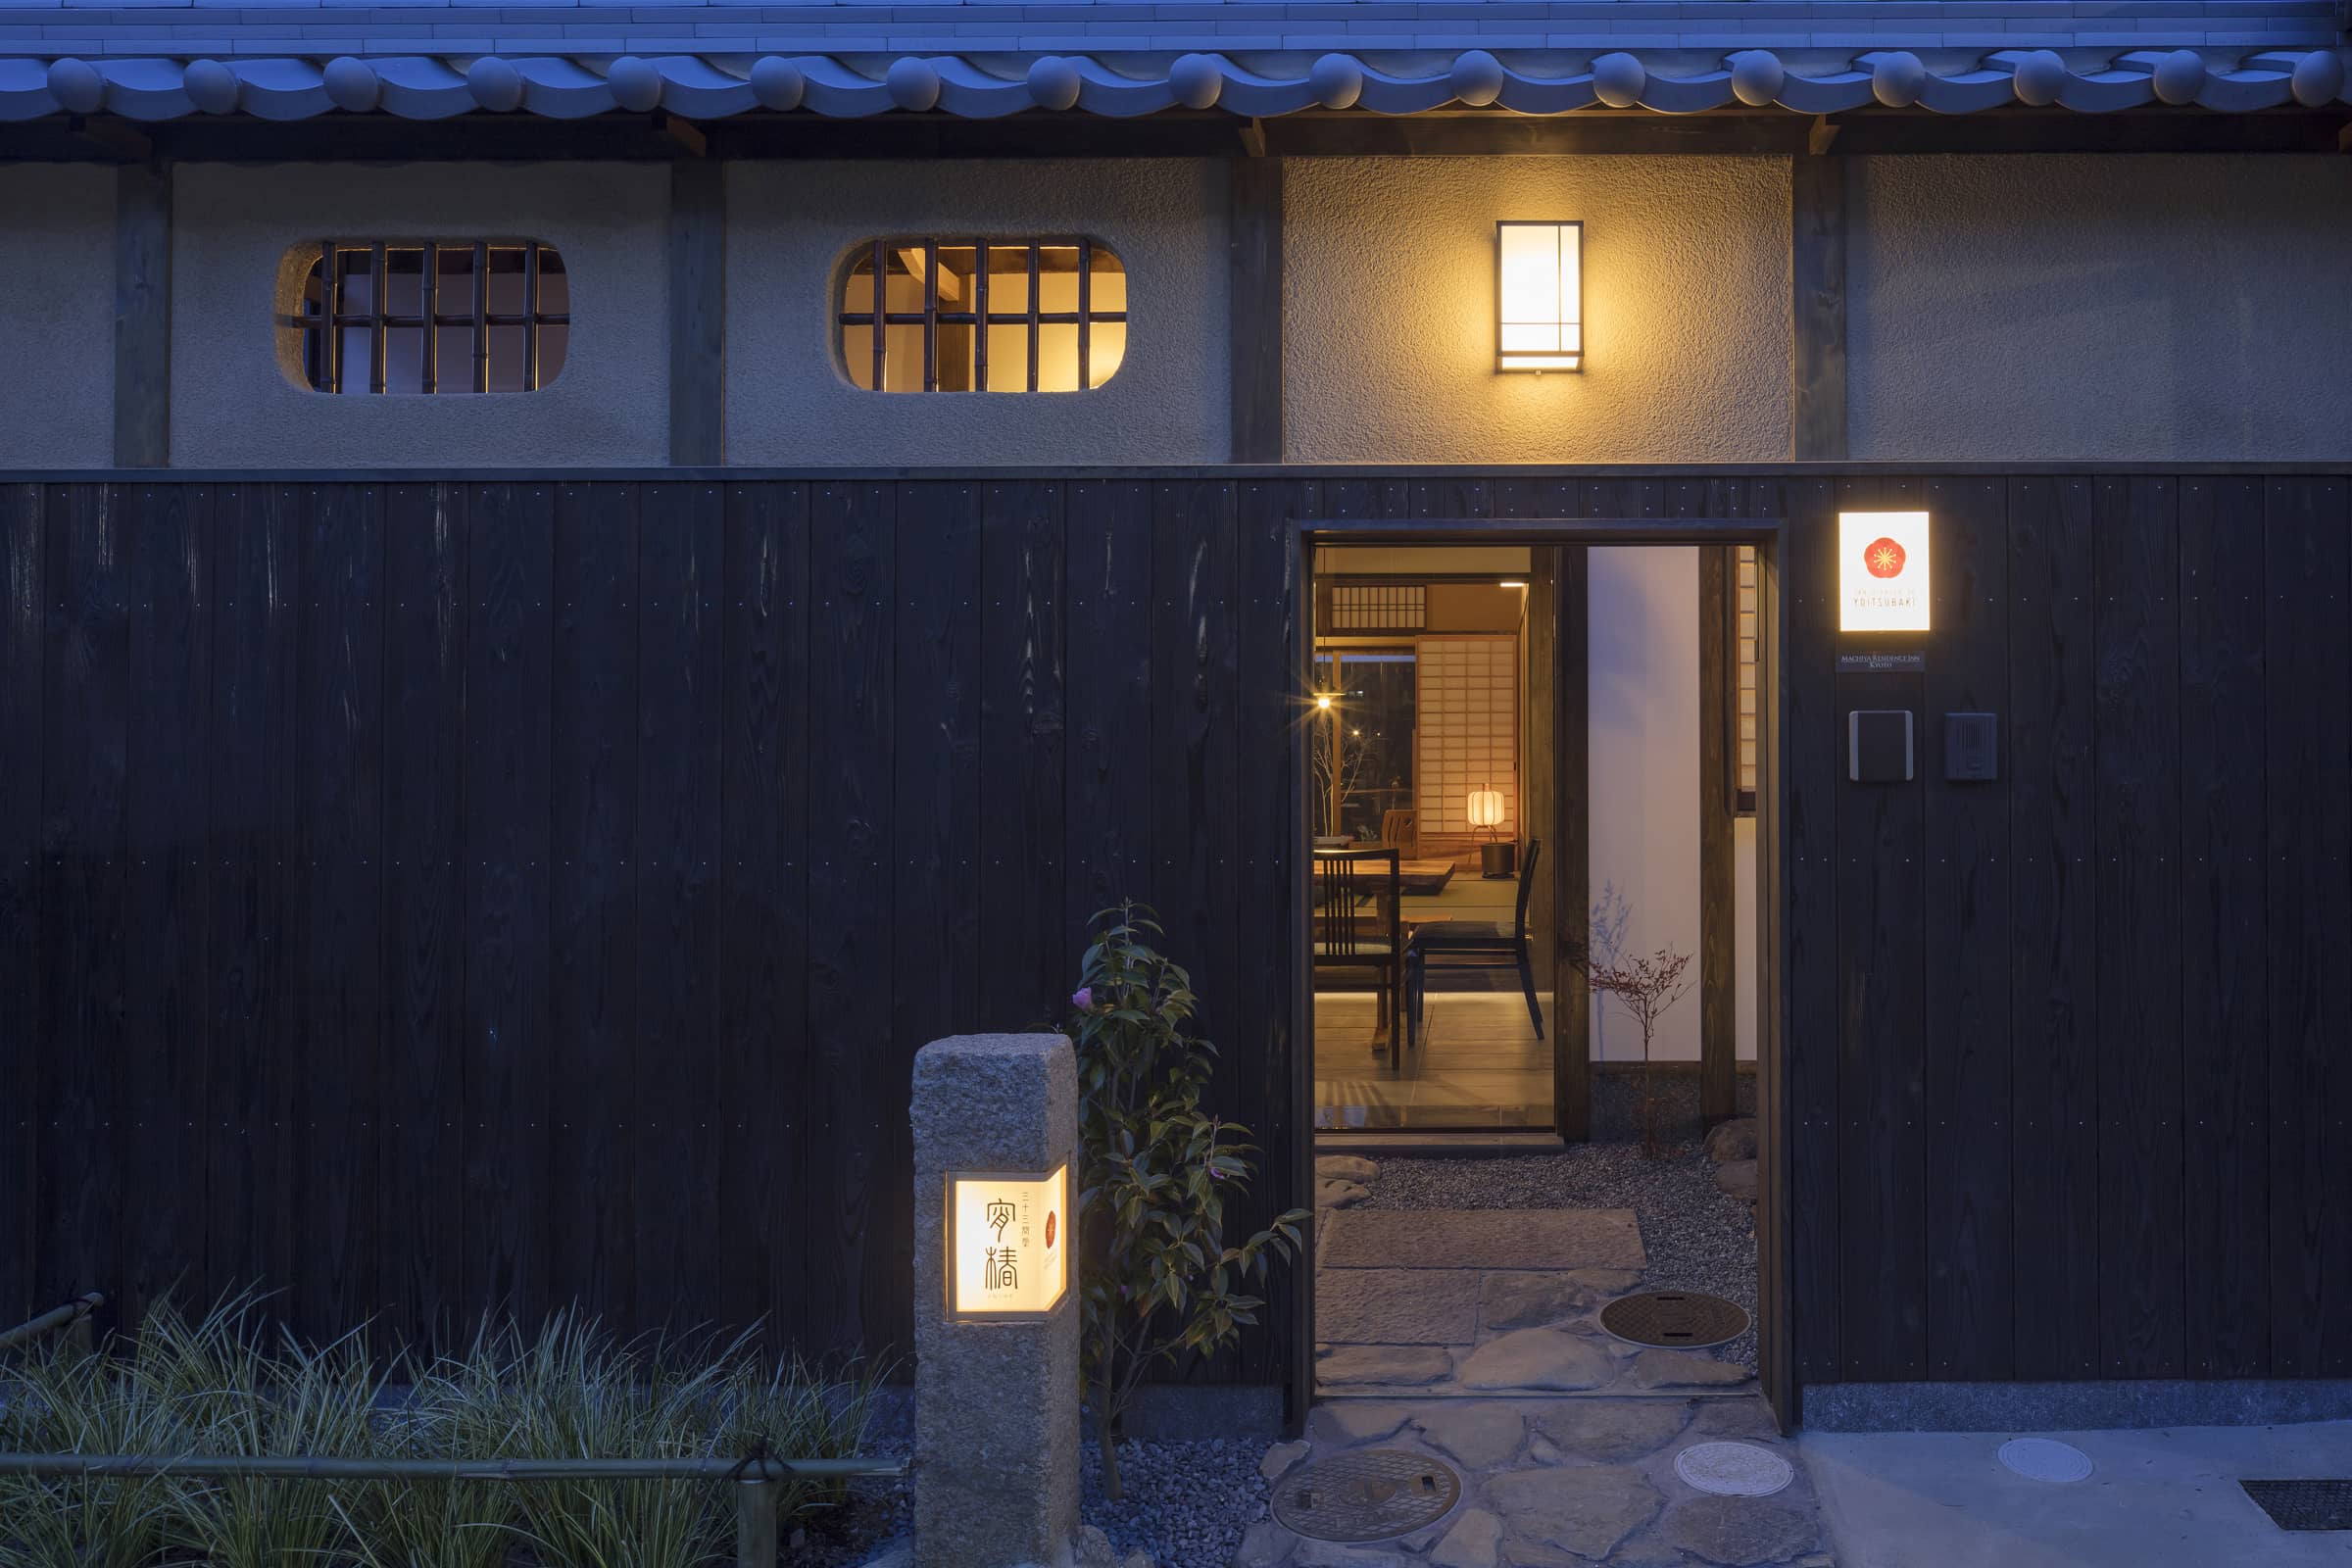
x: 1613, y: 1431
x: 1684, y: 1369
x: 1346, y: 1167
x: 1740, y: 1532
x: 1528, y: 1301
x: 1396, y: 1306
x: 1539, y: 1358
x: 1475, y: 1432
x: 1587, y: 1510
x: 1348, y: 1421
x: 1474, y: 1542
x: 1485, y: 1238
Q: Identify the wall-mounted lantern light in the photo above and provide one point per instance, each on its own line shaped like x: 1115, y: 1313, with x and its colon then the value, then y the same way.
x: 1540, y: 296
x: 1883, y: 571
x: 1009, y: 1245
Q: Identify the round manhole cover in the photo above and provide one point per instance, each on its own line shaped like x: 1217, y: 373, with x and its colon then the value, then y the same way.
x: 2045, y: 1459
x: 1733, y: 1469
x: 1688, y: 1320
x: 1368, y: 1496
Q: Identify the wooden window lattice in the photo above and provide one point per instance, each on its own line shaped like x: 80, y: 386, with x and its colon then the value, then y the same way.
x: 932, y: 315
x: 1379, y: 607
x: 434, y: 317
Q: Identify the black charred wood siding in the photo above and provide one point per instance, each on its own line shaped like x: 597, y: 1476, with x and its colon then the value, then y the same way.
x: 418, y: 896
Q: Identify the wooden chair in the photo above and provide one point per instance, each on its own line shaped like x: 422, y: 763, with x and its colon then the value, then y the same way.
x: 1349, y: 941
x: 1477, y: 944
x: 1400, y: 830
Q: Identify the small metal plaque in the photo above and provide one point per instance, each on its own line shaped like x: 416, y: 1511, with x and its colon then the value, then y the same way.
x: 1688, y: 1320
x: 1882, y: 663
x: 1373, y: 1494
x: 2304, y: 1504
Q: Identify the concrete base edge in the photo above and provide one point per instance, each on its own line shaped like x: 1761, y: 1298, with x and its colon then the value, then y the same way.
x: 2073, y: 1406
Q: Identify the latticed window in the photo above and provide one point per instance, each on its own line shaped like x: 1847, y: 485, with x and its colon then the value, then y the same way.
x: 1746, y: 725
x: 1379, y: 607
x: 931, y: 315
x: 440, y: 317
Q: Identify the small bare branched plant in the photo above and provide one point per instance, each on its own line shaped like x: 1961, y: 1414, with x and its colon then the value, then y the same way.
x: 1646, y: 985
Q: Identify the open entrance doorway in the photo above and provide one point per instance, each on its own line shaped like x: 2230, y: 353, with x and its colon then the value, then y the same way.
x: 1540, y: 971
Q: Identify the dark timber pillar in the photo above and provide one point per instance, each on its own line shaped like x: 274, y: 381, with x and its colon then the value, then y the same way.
x: 1817, y: 203
x: 142, y: 317
x: 1571, y: 867
x: 698, y: 313
x: 1256, y: 313
x: 1718, y: 916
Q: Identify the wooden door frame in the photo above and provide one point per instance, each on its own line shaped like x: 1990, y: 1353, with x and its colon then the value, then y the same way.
x: 1774, y: 1362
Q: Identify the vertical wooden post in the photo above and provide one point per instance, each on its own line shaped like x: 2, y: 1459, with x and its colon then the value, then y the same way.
x: 1539, y: 662
x: 755, y: 1544
x: 1817, y: 214
x: 1718, y: 1018
x: 698, y: 313
x: 1572, y: 867
x: 1255, y: 308
x: 142, y: 317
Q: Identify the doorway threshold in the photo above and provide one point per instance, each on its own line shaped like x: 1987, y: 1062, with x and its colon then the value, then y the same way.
x: 1381, y: 1142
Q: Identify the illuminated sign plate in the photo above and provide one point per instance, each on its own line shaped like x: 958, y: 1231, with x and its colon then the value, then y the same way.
x: 1883, y: 571
x: 1009, y: 1245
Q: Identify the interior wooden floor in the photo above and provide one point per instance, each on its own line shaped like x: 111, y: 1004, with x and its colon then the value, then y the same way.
x: 1477, y: 1065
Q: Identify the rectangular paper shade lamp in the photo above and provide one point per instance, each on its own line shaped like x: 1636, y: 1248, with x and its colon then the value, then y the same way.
x: 1485, y: 808
x: 1540, y: 296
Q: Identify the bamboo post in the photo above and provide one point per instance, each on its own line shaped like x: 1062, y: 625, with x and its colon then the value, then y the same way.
x: 754, y: 1523
x: 74, y: 1314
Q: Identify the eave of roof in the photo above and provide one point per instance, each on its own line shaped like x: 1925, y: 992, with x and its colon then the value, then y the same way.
x: 986, y: 85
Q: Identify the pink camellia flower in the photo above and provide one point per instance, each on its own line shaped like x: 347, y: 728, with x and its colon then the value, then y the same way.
x: 1083, y: 999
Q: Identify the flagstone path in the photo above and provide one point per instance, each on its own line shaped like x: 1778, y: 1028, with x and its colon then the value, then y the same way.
x: 1474, y: 1337
x: 1468, y: 1303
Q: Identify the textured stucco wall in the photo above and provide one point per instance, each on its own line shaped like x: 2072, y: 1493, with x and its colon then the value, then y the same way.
x: 790, y: 227
x: 232, y: 407
x: 57, y: 316
x: 1388, y: 355
x: 2128, y: 309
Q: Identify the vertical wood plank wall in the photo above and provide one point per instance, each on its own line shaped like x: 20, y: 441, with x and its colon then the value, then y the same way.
x: 418, y: 895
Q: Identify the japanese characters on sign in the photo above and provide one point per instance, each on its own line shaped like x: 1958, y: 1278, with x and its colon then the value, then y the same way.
x: 1883, y: 571
x: 1007, y: 1244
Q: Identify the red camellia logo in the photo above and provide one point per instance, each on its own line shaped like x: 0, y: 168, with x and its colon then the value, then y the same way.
x: 1885, y: 559
x: 1048, y: 1227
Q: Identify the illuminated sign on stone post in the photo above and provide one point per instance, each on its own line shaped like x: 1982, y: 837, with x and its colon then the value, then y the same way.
x: 994, y: 1119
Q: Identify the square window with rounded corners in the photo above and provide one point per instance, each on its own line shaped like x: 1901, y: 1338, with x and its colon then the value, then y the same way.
x: 411, y: 316
x: 963, y: 314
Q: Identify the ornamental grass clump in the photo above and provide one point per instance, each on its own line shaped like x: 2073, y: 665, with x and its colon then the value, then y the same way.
x: 1159, y: 1281
x: 223, y: 1385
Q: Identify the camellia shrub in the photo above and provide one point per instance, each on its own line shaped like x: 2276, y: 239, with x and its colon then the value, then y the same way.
x: 1158, y: 1280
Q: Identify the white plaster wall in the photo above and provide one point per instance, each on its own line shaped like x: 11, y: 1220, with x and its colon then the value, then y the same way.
x: 57, y: 325
x: 1389, y: 349
x: 1643, y: 824
x: 2100, y: 308
x: 791, y: 228
x: 232, y: 407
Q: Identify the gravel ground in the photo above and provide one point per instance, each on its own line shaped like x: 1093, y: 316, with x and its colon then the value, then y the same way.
x: 1696, y: 1237
x: 1187, y: 1506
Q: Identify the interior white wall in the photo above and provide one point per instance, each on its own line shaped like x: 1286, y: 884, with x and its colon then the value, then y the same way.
x: 1644, y: 771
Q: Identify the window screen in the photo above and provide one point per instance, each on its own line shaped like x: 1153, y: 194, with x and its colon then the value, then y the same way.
x: 432, y: 318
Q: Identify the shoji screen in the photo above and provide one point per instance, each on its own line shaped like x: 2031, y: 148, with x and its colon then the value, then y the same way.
x: 1467, y: 711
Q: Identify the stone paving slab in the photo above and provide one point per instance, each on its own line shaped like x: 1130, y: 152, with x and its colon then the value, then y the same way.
x: 1396, y: 1306
x: 1484, y: 1238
